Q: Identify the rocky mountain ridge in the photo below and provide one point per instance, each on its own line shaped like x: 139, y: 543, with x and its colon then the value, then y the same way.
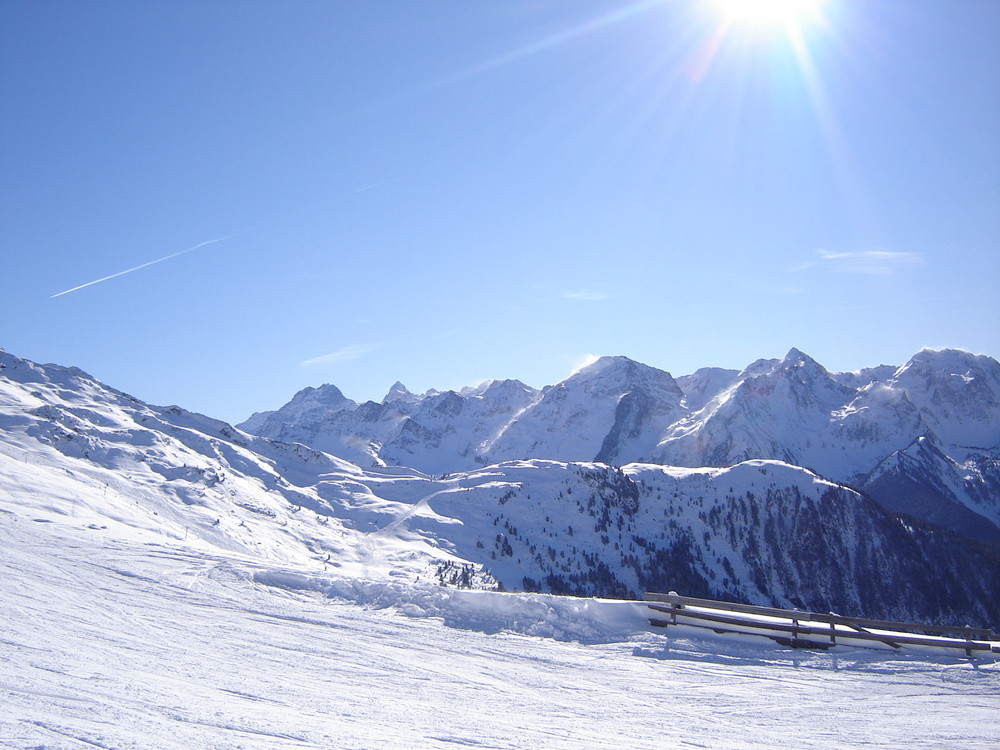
x: 850, y: 427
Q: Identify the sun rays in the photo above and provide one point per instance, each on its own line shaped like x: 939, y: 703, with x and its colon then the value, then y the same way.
x: 763, y: 15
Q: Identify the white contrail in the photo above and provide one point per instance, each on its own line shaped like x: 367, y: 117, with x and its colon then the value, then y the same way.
x: 361, y: 189
x: 145, y: 265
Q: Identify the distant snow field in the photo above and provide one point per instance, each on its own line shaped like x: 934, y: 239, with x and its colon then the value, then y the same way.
x: 114, y: 643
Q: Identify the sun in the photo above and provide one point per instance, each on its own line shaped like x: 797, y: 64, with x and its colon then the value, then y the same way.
x: 768, y: 15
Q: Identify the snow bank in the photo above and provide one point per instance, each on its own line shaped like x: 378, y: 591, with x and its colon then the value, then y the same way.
x: 544, y: 615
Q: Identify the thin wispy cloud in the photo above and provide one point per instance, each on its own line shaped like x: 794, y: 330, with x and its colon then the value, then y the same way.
x: 864, y: 262
x: 146, y: 265
x: 345, y: 354
x: 585, y: 296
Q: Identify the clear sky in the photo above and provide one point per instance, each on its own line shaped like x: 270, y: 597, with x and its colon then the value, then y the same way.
x: 444, y: 191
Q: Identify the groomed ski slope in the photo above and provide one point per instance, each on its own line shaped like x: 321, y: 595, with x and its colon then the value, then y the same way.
x: 129, y: 643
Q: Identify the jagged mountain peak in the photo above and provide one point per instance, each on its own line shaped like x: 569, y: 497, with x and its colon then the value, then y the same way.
x: 611, y: 363
x: 622, y: 374
x: 799, y: 360
x: 797, y: 378
x: 476, y: 391
x: 399, y: 392
x: 499, y: 389
x: 791, y: 410
x: 923, y: 446
x: 605, y: 362
x: 326, y: 394
x: 611, y: 410
x: 954, y: 358
x: 952, y: 367
x: 808, y: 377
x: 922, y: 481
x: 325, y: 397
x: 310, y: 407
x: 758, y: 367
x: 957, y: 392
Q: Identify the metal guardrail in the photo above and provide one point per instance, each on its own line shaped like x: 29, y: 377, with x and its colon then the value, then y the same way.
x: 815, y: 630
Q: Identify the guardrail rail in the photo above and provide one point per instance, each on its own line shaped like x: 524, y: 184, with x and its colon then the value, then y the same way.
x: 798, y: 629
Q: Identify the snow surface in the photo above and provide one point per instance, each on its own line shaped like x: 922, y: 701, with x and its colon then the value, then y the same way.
x: 116, y: 643
x: 169, y: 582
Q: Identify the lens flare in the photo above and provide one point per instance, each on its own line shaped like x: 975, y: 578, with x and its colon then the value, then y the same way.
x: 769, y: 14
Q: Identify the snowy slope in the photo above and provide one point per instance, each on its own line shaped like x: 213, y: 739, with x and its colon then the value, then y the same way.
x: 798, y: 412
x: 811, y: 417
x: 131, y: 644
x: 613, y: 410
x: 761, y: 531
x: 848, y: 426
x: 921, y: 481
x: 72, y: 447
x: 704, y: 384
x: 775, y: 413
x: 957, y: 394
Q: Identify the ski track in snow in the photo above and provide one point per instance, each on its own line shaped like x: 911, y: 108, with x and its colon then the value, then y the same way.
x: 117, y: 644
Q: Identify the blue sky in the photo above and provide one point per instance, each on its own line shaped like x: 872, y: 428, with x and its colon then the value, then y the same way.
x: 445, y: 191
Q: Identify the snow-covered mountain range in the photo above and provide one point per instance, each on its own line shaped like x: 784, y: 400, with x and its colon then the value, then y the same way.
x: 922, y: 439
x: 73, y: 450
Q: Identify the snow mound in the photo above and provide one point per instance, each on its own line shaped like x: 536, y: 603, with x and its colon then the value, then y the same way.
x: 541, y: 615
